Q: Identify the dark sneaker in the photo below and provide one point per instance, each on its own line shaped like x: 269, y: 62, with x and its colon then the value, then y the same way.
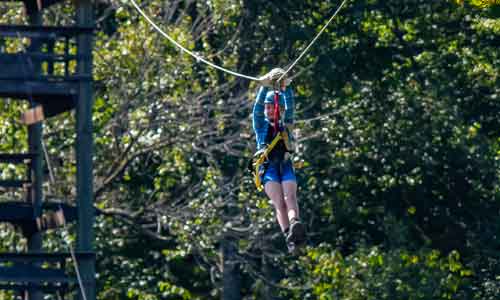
x: 297, y: 233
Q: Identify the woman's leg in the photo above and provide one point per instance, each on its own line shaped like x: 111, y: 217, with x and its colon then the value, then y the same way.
x: 290, y: 196
x: 297, y: 229
x: 275, y: 192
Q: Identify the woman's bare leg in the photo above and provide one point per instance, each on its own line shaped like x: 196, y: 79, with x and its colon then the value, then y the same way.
x: 290, y: 195
x: 275, y: 193
x: 297, y: 229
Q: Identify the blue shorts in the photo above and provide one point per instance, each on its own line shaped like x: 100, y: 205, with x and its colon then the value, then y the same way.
x: 279, y: 172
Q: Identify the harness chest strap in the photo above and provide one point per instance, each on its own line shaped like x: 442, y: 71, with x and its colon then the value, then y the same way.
x: 276, y: 111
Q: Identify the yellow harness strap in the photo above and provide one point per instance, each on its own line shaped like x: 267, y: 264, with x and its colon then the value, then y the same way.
x: 262, y: 158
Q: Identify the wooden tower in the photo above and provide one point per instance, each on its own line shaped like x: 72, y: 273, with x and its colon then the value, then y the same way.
x: 53, y: 81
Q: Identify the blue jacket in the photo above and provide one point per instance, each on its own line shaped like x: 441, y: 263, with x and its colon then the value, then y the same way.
x: 260, y: 122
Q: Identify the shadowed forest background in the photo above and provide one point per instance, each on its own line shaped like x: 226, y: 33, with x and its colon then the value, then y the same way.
x: 397, y: 127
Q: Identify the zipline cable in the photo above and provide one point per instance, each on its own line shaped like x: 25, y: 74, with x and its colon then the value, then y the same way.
x: 313, y: 41
x: 197, y: 57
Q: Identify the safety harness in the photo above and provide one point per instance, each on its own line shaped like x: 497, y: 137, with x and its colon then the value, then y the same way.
x: 263, y: 157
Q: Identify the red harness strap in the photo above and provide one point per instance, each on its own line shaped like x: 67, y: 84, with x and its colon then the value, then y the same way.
x: 276, y: 112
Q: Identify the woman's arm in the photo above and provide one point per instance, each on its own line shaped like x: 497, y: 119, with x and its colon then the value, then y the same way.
x: 259, y: 118
x: 289, y: 106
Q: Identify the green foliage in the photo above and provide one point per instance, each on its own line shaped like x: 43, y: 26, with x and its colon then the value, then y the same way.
x: 371, y: 273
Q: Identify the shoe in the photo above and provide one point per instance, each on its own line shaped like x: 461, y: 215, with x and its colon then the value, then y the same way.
x: 297, y: 234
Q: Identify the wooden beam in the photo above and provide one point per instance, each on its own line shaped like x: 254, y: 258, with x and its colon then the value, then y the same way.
x: 51, y: 220
x: 16, y: 158
x: 33, y: 115
x: 15, y: 183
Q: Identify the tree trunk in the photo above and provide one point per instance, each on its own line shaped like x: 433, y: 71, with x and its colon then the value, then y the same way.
x: 230, y: 273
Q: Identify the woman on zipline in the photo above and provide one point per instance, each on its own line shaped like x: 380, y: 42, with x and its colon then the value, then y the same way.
x: 277, y: 173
